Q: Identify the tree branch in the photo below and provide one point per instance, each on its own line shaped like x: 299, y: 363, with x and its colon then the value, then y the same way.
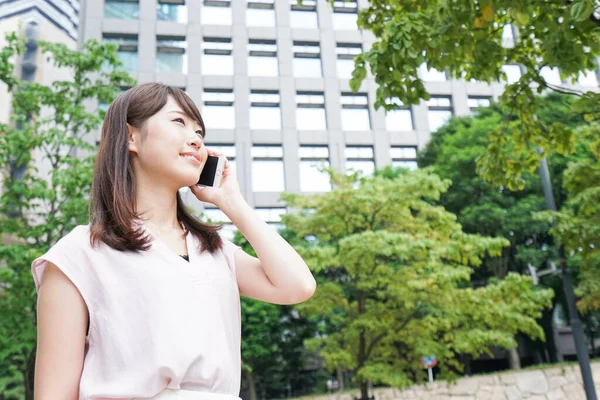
x: 373, y: 343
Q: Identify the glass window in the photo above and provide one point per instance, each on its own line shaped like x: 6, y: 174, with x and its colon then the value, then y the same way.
x: 360, y: 158
x: 431, y: 74
x: 345, y: 21
x: 551, y: 75
x: 127, y: 51
x: 355, y: 112
x: 311, y: 119
x: 313, y: 158
x: 513, y: 73
x: 121, y: 9
x: 477, y: 102
x: 218, y: 111
x: 345, y: 15
x: 307, y: 67
x: 345, y: 68
x: 310, y: 111
x: 271, y: 216
x: 508, y: 38
x: 440, y: 111
x: 307, y: 59
x: 171, y: 10
x: 262, y: 58
x: 404, y: 156
x: 267, y: 169
x: 399, y: 118
x: 104, y: 106
x: 216, y: 12
x: 171, y: 54
x: 227, y: 149
x: 217, y: 217
x: 346, y: 52
x: 588, y: 78
x: 304, y: 15
x: 264, y: 110
x: 260, y: 13
x: 217, y: 56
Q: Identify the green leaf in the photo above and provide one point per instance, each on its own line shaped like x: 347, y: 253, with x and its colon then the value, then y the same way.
x: 522, y: 18
x: 581, y: 10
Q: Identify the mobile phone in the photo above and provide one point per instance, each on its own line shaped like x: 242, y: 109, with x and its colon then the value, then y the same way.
x: 213, y: 172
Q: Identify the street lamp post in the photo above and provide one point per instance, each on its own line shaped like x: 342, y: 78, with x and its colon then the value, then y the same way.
x: 576, y: 326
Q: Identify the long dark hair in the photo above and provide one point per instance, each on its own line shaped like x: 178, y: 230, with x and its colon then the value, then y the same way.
x: 113, y: 199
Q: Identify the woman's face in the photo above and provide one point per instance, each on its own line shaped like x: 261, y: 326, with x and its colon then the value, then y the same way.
x: 172, y: 151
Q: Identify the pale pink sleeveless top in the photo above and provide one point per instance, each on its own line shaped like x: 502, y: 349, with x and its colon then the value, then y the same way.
x: 156, y: 321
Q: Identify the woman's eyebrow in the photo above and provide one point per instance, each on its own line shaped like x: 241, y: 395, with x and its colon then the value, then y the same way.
x: 187, y: 117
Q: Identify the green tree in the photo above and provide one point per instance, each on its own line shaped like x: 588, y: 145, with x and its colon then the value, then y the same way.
x: 50, y: 125
x: 394, y: 270
x: 465, y: 38
x: 273, y: 353
x: 577, y: 224
x: 488, y: 210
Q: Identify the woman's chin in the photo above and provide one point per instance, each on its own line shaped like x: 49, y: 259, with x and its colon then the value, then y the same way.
x: 185, y: 181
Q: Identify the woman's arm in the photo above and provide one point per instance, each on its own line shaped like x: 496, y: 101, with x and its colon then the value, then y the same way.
x: 62, y: 317
x: 279, y: 275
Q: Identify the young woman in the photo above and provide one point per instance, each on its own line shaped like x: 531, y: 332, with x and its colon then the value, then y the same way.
x: 144, y: 301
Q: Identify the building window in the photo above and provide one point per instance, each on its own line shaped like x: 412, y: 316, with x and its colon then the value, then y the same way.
x: 508, y: 37
x: 551, y: 75
x: 431, y: 74
x: 346, y: 52
x: 512, y: 72
x: 271, y: 216
x: 399, y: 118
x: 104, y: 106
x: 310, y: 111
x: 262, y: 58
x: 121, y: 9
x: 440, y: 111
x: 404, y: 157
x: 345, y: 15
x: 171, y: 10
x: 312, y: 158
x: 217, y: 217
x: 307, y: 60
x: 260, y: 13
x: 360, y: 158
x: 588, y: 78
x: 171, y: 54
x: 264, y: 110
x: 228, y: 151
x: 355, y: 112
x: 216, y: 12
x: 127, y: 51
x: 304, y: 15
x: 476, y: 102
x: 217, y: 56
x: 267, y: 169
x: 218, y: 111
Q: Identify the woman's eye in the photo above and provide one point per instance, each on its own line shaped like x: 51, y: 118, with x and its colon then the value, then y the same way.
x: 180, y: 120
x: 199, y: 133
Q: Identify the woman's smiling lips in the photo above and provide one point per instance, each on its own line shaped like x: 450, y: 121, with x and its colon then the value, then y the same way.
x: 194, y: 157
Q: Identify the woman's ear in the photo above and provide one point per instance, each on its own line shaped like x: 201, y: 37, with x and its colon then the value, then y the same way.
x: 133, y: 138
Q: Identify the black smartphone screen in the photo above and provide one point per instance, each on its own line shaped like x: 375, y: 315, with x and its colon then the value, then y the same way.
x: 207, y: 177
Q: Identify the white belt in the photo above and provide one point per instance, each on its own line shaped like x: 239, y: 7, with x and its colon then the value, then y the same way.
x: 181, y: 394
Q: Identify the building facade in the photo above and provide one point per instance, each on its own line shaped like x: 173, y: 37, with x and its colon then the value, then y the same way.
x: 55, y: 21
x: 271, y: 78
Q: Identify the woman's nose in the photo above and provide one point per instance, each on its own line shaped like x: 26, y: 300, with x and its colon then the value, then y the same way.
x: 195, y: 141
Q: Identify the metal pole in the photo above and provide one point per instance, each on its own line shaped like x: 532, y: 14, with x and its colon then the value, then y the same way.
x: 576, y: 326
x: 430, y: 373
